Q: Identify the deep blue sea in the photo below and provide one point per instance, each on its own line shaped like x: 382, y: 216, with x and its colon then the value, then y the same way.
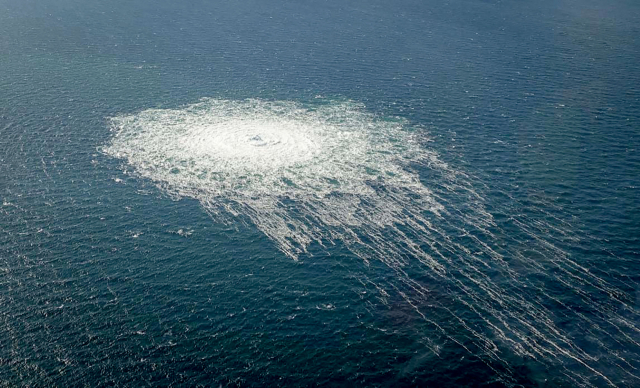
x: 320, y: 193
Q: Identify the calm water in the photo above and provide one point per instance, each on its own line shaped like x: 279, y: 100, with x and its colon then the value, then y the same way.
x: 298, y: 193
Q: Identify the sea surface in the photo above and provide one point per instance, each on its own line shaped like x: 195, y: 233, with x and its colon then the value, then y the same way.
x: 320, y: 193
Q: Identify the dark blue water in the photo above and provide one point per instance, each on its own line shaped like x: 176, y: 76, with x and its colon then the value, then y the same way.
x: 108, y: 279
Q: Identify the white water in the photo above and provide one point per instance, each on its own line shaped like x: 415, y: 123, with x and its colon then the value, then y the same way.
x: 333, y: 173
x: 247, y: 157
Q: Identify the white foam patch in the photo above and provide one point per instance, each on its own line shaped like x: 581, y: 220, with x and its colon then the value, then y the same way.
x: 333, y: 173
x: 339, y: 163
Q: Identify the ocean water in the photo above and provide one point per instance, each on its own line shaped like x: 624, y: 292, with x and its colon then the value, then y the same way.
x: 335, y: 193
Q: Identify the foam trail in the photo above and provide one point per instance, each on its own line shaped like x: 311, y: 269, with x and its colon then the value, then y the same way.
x: 333, y: 173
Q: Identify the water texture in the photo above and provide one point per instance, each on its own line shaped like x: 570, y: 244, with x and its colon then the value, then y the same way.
x: 303, y: 194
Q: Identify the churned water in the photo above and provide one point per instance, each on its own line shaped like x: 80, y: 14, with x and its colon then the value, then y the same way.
x: 302, y: 194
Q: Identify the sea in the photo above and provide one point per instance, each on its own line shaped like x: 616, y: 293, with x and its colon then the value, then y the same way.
x: 295, y: 193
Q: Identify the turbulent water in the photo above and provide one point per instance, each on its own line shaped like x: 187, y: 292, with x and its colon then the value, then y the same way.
x: 332, y: 173
x: 300, y: 175
x: 274, y: 193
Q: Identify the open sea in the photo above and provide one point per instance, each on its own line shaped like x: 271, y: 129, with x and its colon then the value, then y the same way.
x: 331, y: 193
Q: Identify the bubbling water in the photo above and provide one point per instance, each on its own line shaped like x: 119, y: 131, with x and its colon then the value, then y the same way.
x: 248, y: 156
x: 332, y: 173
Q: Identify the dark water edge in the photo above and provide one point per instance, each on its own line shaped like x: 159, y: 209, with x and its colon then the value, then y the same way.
x: 537, y: 103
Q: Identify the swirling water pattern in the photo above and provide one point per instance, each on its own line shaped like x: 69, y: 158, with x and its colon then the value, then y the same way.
x: 333, y: 173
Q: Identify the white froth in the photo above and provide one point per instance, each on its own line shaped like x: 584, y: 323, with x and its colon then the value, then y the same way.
x: 249, y: 156
x: 333, y: 173
x: 256, y: 148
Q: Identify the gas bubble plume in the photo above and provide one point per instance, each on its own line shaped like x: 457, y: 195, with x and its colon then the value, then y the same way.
x: 331, y: 173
